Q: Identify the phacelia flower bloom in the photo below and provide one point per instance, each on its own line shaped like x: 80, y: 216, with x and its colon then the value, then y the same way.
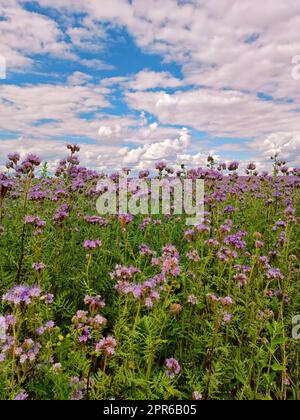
x: 226, y: 301
x: 106, y: 346
x: 233, y: 166
x: 227, y: 317
x: 236, y: 240
x: 144, y: 174
x: 22, y: 396
x: 14, y: 157
x: 21, y: 294
x: 213, y: 298
x: 124, y: 273
x: 33, y: 159
x: 275, y: 273
x: 197, y: 396
x: 241, y: 279
x: 73, y: 148
x: 125, y: 219
x: 38, y: 267
x: 48, y: 298
x: 251, y: 166
x: 259, y: 244
x: 173, y: 367
x: 193, y: 256
x: 145, y: 250
x: 91, y: 245
x: 160, y: 166
x: 95, y: 302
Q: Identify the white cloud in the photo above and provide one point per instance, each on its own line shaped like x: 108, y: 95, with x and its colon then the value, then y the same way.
x: 79, y: 78
x: 96, y: 65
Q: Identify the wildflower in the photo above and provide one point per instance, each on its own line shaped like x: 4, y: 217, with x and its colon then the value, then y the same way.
x: 90, y: 245
x: 146, y: 222
x: 227, y: 317
x: 259, y: 244
x: 213, y: 298
x: 144, y: 174
x: 233, y: 166
x: 193, y: 256
x: 160, y: 166
x: 21, y: 294
x: 242, y: 279
x: 106, y: 346
x: 236, y: 240
x: 76, y: 395
x: 95, y: 302
x: 197, y: 396
x: 39, y: 267
x: 225, y: 254
x: 49, y: 298
x: 73, y: 148
x: 173, y: 367
x: 98, y: 321
x: 125, y: 219
x: 85, y: 335
x: 275, y: 273
x: 145, y: 250
x: 124, y: 273
x: 251, y: 166
x: 21, y: 396
x: 192, y: 300
x: 171, y: 266
x: 14, y: 157
x: 226, y: 301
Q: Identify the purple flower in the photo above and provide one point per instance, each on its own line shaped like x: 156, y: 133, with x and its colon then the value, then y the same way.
x: 251, y: 166
x: 90, y: 245
x: 14, y: 157
x: 173, y: 367
x: 38, y: 267
x: 226, y: 301
x: 197, y: 396
x: 233, y: 166
x: 275, y: 273
x: 21, y: 396
x: 73, y: 148
x: 160, y: 166
x: 106, y: 346
x: 227, y: 317
x: 95, y: 302
x: 125, y: 219
x: 21, y: 294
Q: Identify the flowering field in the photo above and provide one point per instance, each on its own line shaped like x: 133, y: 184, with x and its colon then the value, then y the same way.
x: 146, y: 307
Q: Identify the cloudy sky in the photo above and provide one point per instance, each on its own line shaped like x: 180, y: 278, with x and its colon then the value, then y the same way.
x: 139, y: 81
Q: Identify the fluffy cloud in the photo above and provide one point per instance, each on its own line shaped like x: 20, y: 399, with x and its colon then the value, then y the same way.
x: 24, y: 33
x: 228, y: 52
x: 219, y: 112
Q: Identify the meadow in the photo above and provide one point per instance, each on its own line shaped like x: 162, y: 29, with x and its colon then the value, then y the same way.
x: 145, y: 307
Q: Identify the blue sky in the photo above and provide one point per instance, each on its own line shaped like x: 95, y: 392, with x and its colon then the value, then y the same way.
x: 137, y: 82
